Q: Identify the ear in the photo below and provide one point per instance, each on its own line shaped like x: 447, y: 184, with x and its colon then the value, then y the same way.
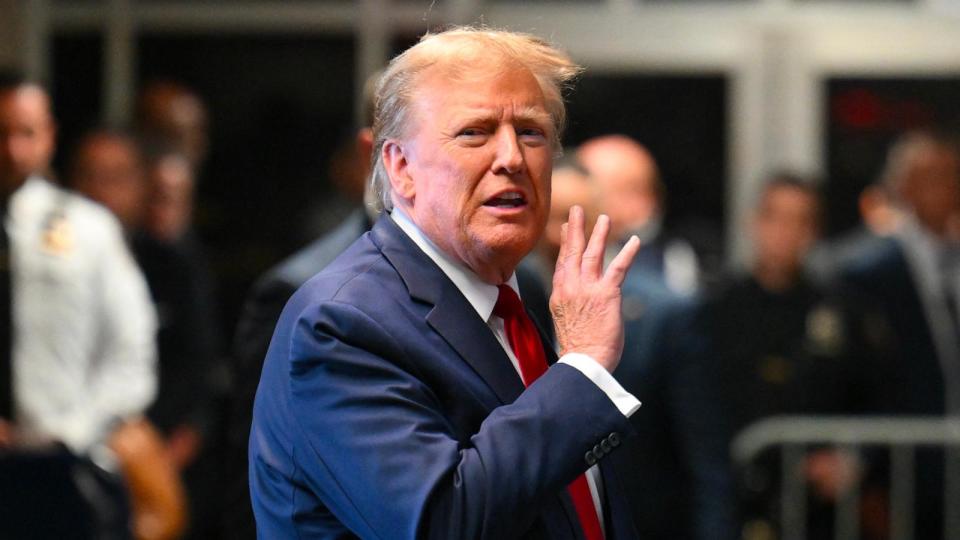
x: 398, y: 169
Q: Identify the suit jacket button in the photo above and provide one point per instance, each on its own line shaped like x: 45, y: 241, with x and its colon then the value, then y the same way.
x: 590, y: 458
x: 606, y: 446
x: 597, y: 451
x: 614, y: 439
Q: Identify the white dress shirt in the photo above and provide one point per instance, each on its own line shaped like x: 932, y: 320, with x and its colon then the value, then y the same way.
x: 483, y: 297
x: 83, y: 323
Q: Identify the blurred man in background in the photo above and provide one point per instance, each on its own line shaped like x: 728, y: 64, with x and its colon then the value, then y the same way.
x: 347, y: 171
x: 173, y: 121
x: 107, y: 166
x: 171, y: 184
x: 77, y: 355
x: 169, y: 111
x: 572, y: 186
x: 913, y: 275
x: 149, y: 194
x: 879, y: 218
x: 781, y: 345
x: 675, y: 474
x: 633, y: 196
x: 192, y: 382
x: 912, y: 279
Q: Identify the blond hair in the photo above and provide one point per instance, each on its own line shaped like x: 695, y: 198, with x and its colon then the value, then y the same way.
x: 462, y: 49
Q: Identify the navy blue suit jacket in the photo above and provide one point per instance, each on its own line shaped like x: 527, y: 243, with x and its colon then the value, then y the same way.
x: 675, y: 472
x: 387, y: 409
x: 883, y: 277
x: 912, y: 377
x: 255, y: 327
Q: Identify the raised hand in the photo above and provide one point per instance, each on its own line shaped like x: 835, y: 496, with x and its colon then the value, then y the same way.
x: 586, y: 299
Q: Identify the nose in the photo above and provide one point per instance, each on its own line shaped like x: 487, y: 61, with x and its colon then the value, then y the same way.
x: 509, y: 156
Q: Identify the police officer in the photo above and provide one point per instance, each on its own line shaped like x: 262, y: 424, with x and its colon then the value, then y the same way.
x: 782, y: 345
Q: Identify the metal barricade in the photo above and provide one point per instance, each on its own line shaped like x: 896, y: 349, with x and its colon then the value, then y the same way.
x: 899, y: 435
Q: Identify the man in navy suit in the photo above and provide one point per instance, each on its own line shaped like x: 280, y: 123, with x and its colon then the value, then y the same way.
x: 635, y: 197
x: 675, y: 473
x: 911, y: 279
x: 913, y: 276
x: 405, y: 393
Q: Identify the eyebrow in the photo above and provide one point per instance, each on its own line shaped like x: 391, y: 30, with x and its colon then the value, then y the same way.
x: 533, y: 113
x: 529, y: 113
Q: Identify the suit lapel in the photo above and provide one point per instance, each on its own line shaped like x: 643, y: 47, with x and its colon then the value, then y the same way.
x: 452, y: 315
x: 484, y: 354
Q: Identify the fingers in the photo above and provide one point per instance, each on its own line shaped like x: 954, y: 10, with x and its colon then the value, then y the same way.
x: 617, y: 270
x: 575, y: 259
x: 575, y: 242
x: 559, y: 265
x: 592, y: 262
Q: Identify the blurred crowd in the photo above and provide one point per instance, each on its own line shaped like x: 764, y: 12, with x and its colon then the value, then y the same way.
x: 125, y: 409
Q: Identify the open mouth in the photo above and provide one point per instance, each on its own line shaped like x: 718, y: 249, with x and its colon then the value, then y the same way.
x: 510, y: 199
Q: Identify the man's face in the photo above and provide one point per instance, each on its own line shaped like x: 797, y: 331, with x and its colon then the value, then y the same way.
x: 476, y: 174
x: 785, y: 227
x: 170, y: 204
x: 933, y: 187
x: 627, y: 176
x: 26, y: 136
x: 176, y: 116
x: 108, y: 170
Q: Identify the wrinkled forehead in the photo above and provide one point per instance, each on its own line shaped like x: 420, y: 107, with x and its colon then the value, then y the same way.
x: 483, y: 89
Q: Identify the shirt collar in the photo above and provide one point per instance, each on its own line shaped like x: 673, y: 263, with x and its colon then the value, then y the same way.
x: 917, y: 240
x: 925, y: 254
x: 481, y: 295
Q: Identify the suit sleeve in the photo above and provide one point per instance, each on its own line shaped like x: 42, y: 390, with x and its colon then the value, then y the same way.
x: 380, y: 452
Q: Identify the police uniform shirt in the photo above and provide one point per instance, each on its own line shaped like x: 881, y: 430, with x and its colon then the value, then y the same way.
x: 84, y: 327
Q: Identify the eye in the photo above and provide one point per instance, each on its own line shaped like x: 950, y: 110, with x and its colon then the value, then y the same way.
x: 532, y: 135
x: 472, y: 136
x: 470, y: 132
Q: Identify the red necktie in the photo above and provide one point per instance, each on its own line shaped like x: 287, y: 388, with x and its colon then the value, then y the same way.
x: 527, y: 347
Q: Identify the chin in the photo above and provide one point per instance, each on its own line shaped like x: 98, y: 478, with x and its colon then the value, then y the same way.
x: 509, y: 251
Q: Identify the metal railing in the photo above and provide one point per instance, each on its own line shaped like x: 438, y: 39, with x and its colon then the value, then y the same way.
x: 899, y: 435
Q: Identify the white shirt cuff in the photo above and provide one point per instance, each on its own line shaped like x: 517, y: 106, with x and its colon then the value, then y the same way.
x: 591, y: 369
